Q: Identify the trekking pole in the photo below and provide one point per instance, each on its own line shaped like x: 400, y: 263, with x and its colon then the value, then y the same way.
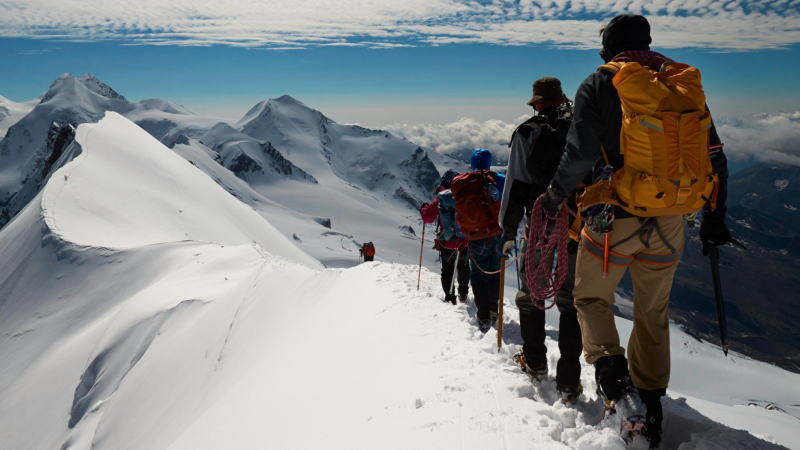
x: 421, y: 247
x: 453, y: 278
x: 500, y: 303
x: 713, y: 256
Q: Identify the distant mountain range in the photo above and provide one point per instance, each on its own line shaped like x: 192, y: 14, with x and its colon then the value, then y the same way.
x: 350, y: 183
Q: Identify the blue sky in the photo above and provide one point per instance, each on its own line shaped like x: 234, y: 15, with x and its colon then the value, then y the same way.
x: 477, y: 80
x: 383, y: 62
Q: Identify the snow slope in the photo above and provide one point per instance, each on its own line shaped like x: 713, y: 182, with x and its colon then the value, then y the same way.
x: 11, y: 112
x: 37, y: 139
x: 143, y: 307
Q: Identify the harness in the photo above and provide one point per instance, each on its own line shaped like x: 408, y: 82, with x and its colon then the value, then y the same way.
x: 607, y: 255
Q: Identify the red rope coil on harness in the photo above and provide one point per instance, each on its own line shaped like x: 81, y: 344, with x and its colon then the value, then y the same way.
x: 548, y: 236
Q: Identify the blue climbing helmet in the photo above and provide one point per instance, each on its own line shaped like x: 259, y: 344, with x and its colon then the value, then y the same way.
x: 481, y: 159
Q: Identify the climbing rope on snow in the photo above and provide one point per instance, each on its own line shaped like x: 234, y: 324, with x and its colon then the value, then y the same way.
x: 548, y: 238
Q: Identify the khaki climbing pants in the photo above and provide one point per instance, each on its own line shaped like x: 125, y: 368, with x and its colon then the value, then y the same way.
x: 638, y: 244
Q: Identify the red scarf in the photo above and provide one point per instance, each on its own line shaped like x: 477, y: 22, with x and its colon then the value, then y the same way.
x: 653, y: 60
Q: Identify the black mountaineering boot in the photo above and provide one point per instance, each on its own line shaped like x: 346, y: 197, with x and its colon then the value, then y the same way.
x: 484, y: 325
x: 569, y: 394
x: 655, y: 415
x: 609, y: 372
x: 620, y: 395
x: 536, y: 372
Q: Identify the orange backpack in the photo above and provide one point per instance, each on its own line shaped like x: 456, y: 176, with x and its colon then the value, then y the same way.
x: 664, y: 143
x: 477, y: 213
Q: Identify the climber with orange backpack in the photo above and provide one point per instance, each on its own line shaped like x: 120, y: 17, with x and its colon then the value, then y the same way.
x: 477, y: 197
x: 642, y: 127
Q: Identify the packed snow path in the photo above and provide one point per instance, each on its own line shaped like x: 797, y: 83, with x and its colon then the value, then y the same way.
x: 143, y: 307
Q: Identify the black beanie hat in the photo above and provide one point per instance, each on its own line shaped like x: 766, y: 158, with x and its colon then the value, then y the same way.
x: 625, y: 32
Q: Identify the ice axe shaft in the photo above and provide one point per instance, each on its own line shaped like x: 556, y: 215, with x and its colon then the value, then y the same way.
x: 421, y: 248
x: 713, y: 256
x: 500, y: 303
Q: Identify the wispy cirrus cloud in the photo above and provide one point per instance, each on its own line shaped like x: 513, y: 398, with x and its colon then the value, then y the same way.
x: 284, y: 24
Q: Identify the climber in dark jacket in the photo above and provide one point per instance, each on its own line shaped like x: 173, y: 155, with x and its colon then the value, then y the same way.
x: 536, y: 148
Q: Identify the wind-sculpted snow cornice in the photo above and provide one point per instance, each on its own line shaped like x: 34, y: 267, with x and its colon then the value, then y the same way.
x: 290, y: 25
x: 126, y: 190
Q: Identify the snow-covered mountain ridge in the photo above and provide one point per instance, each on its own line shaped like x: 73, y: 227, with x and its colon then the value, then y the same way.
x: 358, y: 182
x: 31, y: 145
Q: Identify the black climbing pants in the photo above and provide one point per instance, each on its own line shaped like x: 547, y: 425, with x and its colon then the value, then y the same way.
x: 532, y: 321
x: 453, y: 259
x: 485, y: 257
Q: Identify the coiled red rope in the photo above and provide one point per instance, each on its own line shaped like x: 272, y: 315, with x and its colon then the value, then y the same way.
x: 545, y: 240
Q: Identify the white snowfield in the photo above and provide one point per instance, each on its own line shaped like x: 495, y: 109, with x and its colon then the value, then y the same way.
x: 144, y: 307
x: 11, y: 112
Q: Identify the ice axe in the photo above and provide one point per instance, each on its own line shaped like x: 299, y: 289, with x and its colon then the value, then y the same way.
x: 713, y: 256
x: 500, y: 303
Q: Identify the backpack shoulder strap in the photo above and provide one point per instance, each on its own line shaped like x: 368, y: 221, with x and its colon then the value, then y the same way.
x: 612, y: 67
x: 525, y: 127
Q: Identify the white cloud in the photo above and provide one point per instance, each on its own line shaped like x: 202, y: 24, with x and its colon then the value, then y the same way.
x: 729, y: 25
x: 764, y: 137
x: 459, y: 138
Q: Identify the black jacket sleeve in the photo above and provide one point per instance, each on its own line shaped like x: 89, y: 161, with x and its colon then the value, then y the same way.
x: 720, y: 164
x: 520, y: 189
x: 584, y: 139
x: 519, y: 203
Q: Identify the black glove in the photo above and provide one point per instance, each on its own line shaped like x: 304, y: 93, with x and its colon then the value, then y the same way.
x: 550, y: 203
x: 714, y: 233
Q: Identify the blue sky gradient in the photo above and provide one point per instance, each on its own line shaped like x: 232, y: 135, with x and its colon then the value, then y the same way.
x: 473, y: 78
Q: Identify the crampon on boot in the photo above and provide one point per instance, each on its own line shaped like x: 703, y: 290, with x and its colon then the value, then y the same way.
x: 536, y: 373
x: 569, y: 394
x: 621, y: 397
x: 462, y: 298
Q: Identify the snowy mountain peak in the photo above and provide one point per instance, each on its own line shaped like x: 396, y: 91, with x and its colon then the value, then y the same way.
x: 289, y: 100
x: 68, y: 83
x: 263, y: 113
